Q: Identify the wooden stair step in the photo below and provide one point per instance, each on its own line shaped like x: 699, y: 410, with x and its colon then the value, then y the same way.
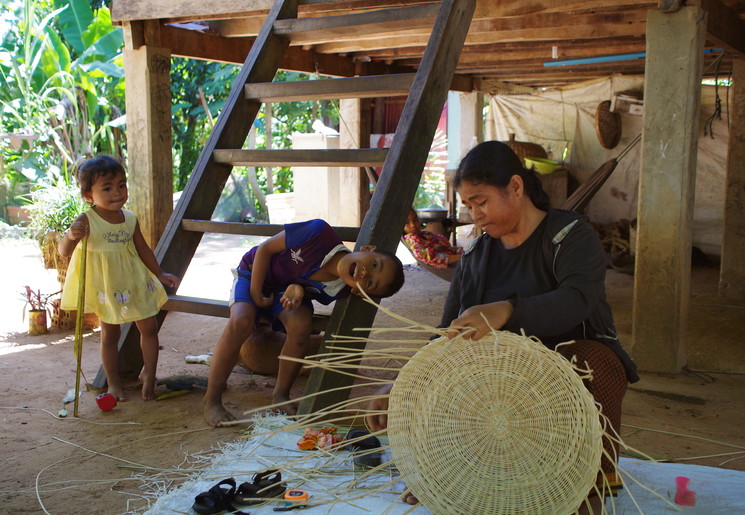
x: 345, y: 233
x: 371, y: 86
x: 311, y: 30
x: 219, y: 308
x: 287, y: 157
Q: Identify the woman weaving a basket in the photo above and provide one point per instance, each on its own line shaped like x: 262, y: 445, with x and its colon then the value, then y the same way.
x: 538, y: 270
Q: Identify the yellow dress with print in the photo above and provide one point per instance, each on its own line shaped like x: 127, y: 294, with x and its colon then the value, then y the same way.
x: 119, y: 287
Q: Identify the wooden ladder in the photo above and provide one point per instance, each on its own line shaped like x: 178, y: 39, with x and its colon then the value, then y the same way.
x: 402, y: 163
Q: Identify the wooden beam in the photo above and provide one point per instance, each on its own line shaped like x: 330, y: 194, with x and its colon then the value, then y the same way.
x: 310, y: 30
x: 178, y: 10
x: 201, y: 45
x: 732, y: 268
x: 354, y: 87
x: 202, y: 226
x: 672, y: 96
x: 724, y: 25
x: 220, y: 308
x: 286, y: 157
x: 495, y: 31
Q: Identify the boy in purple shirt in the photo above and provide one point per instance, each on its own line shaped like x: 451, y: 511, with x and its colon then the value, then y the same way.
x: 278, y: 279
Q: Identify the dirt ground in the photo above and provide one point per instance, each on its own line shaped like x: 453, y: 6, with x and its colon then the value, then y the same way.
x: 86, y: 465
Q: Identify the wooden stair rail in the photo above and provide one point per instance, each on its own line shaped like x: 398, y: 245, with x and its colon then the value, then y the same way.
x: 371, y: 86
x: 202, y: 226
x: 287, y: 157
x: 220, y: 308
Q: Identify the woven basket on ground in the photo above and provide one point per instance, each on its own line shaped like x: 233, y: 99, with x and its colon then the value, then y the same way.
x: 500, y: 425
x: 524, y: 149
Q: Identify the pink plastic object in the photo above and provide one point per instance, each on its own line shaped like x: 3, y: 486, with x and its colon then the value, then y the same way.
x: 683, y: 496
x: 106, y: 401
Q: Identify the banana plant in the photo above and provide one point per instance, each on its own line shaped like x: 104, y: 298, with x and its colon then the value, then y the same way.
x: 61, y: 68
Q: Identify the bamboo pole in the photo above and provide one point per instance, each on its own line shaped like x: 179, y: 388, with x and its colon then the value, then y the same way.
x: 79, y: 323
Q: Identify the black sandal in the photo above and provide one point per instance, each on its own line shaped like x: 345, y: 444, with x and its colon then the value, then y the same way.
x: 364, y: 449
x: 216, y: 499
x: 263, y: 487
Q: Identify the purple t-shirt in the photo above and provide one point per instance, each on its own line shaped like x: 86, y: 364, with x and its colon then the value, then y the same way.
x: 307, y: 244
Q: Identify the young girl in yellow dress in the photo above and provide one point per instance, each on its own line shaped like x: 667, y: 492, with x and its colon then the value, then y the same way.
x: 123, y: 278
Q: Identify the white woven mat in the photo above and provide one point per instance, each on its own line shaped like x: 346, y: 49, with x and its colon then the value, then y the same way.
x: 718, y: 491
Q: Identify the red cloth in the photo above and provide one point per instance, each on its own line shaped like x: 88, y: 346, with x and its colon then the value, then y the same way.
x: 431, y: 248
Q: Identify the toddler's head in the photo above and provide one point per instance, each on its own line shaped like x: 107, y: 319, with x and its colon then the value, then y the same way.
x: 413, y: 225
x: 91, y: 170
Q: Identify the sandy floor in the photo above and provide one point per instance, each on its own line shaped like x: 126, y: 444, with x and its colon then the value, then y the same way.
x: 86, y: 465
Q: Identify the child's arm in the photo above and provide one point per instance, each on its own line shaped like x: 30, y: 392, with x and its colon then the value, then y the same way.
x: 147, y: 257
x: 262, y: 258
x: 74, y: 234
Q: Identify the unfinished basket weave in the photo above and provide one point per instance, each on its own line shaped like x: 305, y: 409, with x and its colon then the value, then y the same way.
x: 500, y: 425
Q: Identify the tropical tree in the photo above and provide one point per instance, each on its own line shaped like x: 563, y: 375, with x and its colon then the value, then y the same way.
x: 60, y: 65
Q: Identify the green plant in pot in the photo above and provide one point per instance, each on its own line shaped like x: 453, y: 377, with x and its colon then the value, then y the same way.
x: 38, y: 304
x: 53, y: 207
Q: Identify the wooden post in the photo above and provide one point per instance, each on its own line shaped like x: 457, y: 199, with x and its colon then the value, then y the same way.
x: 148, y: 101
x: 732, y: 272
x: 672, y: 92
x: 471, y: 121
x: 354, y: 132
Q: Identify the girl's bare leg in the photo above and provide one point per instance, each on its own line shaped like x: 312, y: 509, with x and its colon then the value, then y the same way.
x: 150, y: 346
x: 298, y: 324
x: 239, y: 327
x: 110, y: 358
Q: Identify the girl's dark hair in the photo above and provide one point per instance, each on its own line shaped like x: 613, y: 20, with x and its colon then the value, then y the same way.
x: 494, y: 163
x: 100, y: 166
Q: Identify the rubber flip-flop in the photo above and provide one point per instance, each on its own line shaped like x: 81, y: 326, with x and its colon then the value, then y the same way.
x: 216, y: 499
x: 265, y: 485
x: 363, y: 450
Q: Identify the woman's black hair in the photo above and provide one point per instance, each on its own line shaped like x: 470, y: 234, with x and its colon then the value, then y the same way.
x: 100, y: 166
x: 494, y: 163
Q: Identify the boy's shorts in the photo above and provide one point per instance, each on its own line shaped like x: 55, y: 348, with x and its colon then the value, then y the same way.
x: 241, y: 292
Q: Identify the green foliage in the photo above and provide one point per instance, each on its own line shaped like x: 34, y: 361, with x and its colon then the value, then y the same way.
x: 431, y: 190
x: 60, y: 68
x: 53, y: 207
x: 191, y: 124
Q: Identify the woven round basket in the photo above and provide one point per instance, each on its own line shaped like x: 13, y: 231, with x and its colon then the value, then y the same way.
x: 607, y: 125
x: 500, y: 425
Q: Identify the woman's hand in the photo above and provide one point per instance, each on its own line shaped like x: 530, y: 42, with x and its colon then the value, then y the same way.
x: 169, y: 280
x: 292, y: 297
x: 475, y: 322
x: 377, y: 418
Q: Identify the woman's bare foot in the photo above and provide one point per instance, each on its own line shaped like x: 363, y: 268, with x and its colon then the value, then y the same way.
x: 216, y: 414
x: 148, y: 388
